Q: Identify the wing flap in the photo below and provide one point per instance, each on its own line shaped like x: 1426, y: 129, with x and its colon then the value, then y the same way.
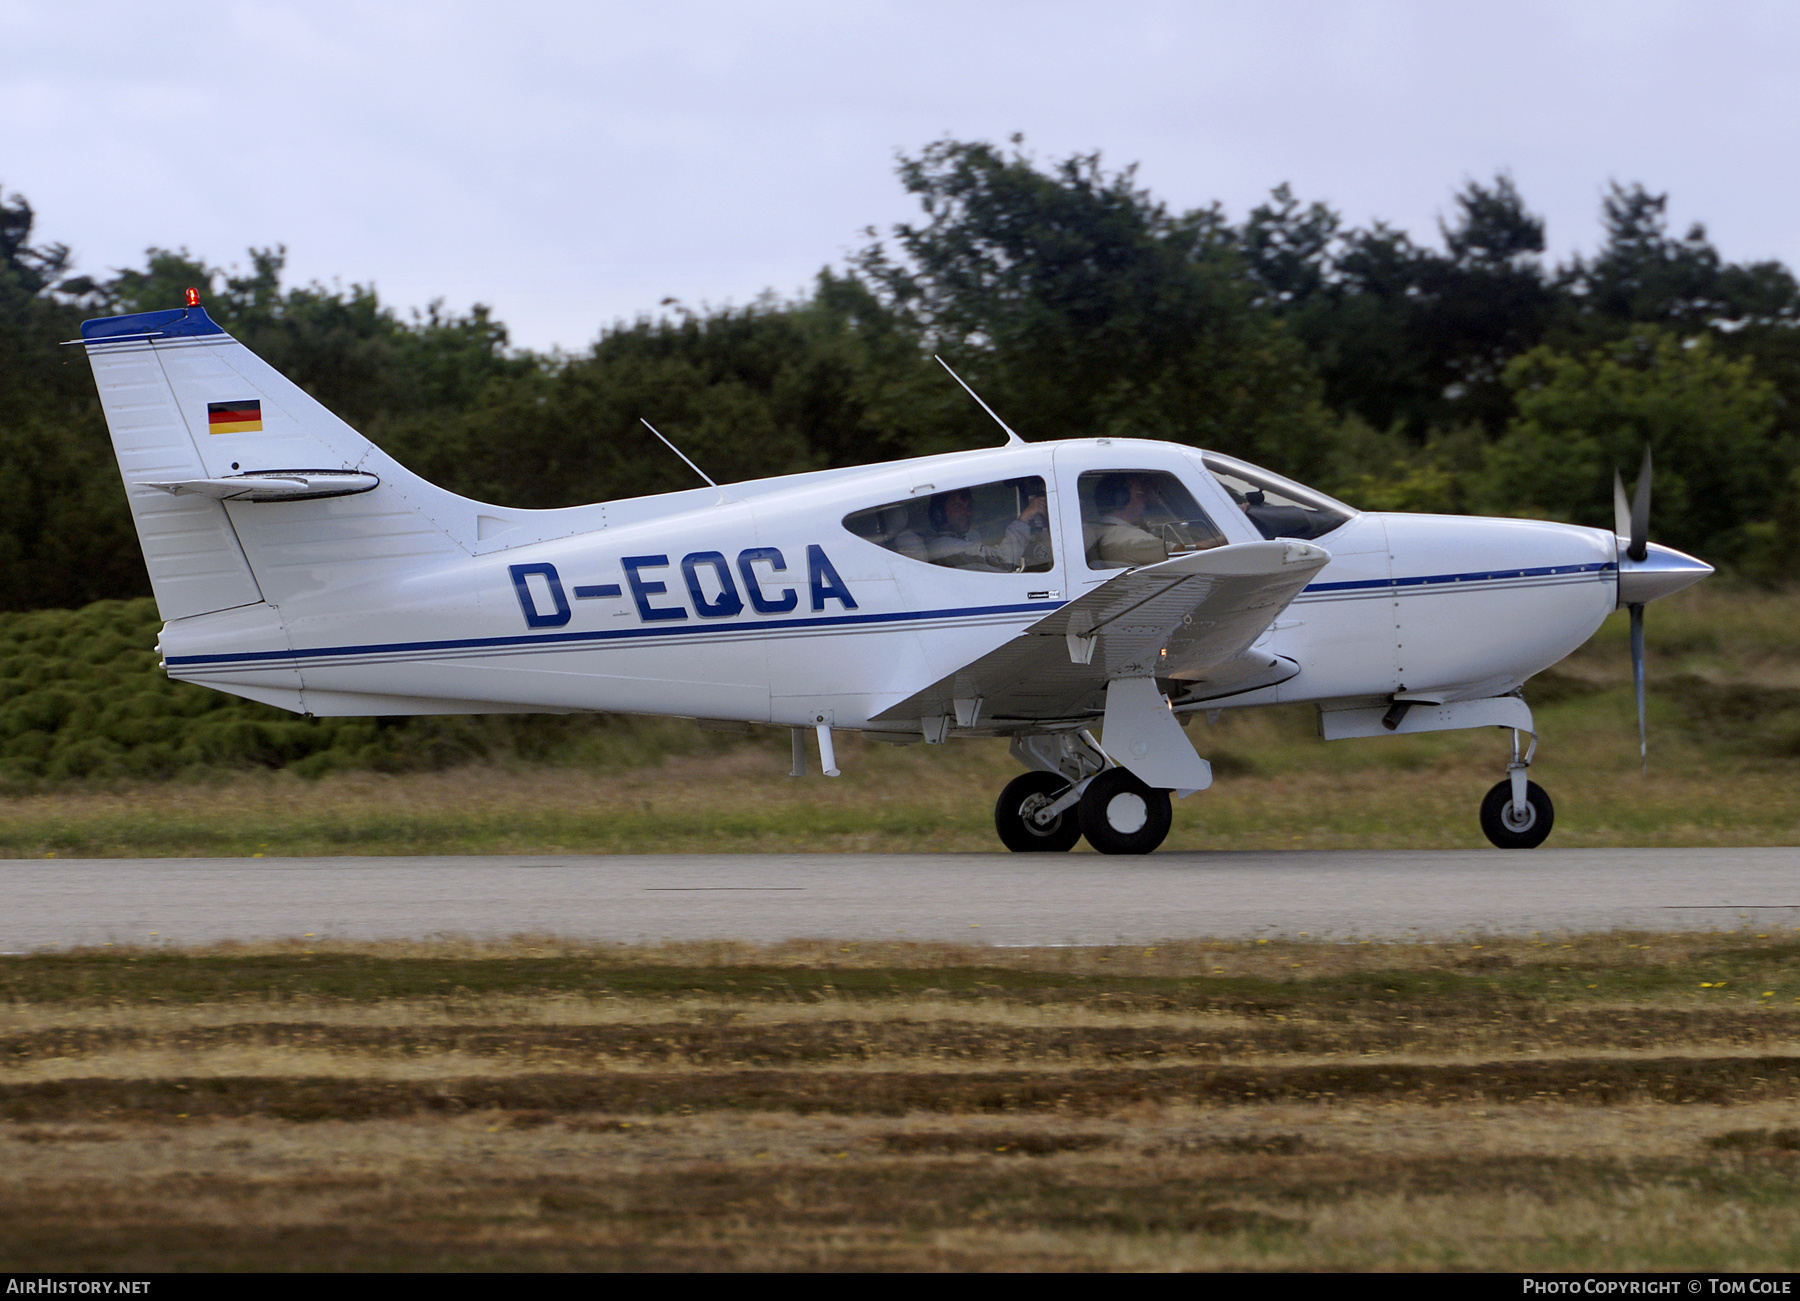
x: 1191, y: 618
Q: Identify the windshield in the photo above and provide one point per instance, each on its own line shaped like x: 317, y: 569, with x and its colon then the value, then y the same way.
x: 1280, y: 508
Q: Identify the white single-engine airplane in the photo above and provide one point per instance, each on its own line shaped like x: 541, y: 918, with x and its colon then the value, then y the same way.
x: 1032, y: 591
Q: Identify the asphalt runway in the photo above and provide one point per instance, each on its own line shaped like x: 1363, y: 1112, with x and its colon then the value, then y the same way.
x: 983, y: 898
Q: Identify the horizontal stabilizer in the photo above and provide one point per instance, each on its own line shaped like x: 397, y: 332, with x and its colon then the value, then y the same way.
x: 271, y: 485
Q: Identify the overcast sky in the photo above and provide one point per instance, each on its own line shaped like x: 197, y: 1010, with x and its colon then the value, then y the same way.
x: 575, y: 164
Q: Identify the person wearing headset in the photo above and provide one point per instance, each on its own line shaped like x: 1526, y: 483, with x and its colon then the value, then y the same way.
x: 956, y: 542
x: 1119, y: 537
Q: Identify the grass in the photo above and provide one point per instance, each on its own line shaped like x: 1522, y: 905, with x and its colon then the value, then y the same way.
x: 1588, y: 1103
x: 1725, y: 754
x: 1411, y: 795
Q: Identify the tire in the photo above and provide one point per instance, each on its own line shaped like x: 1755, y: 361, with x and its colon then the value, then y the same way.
x: 1018, y: 832
x: 1511, y: 832
x: 1121, y: 815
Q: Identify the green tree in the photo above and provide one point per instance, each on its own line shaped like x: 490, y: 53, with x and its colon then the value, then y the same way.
x: 1361, y: 334
x: 1403, y: 336
x: 770, y: 389
x: 1707, y: 418
x: 344, y: 346
x: 1080, y: 305
x: 1643, y: 275
x: 1486, y: 302
x: 65, y: 534
x: 1287, y: 249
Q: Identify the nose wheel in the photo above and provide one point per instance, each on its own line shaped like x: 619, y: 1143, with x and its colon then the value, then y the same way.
x: 1517, y: 814
x: 1512, y: 825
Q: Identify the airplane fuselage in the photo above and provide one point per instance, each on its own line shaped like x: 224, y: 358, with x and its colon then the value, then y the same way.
x: 757, y: 603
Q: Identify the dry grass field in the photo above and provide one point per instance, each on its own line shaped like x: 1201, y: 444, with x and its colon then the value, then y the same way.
x: 1601, y: 1102
x: 1607, y: 1102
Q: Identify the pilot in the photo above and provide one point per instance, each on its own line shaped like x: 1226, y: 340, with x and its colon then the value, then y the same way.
x: 956, y: 542
x: 1119, y: 538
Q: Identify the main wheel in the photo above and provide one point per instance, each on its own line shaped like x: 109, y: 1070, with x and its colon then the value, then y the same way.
x: 1023, y: 796
x: 1121, y: 815
x: 1511, y: 827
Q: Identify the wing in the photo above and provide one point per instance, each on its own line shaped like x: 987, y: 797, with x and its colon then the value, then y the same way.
x: 1191, y: 618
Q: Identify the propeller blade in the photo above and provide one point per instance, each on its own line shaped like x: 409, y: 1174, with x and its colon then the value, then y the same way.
x: 1621, y: 511
x: 1640, y: 512
x: 1637, y: 678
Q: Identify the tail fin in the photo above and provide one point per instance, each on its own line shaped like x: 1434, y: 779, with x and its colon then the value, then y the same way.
x: 203, y: 428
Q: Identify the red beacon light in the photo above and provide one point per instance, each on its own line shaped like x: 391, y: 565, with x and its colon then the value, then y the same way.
x: 193, y: 298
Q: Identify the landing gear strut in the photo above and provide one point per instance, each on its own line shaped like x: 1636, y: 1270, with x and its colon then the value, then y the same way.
x: 1037, y: 812
x: 1517, y: 814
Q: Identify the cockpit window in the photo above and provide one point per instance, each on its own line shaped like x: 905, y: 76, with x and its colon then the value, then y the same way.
x: 1140, y: 517
x: 1280, y: 508
x: 996, y: 528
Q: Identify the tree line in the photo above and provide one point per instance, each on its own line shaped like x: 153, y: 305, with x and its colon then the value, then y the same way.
x: 1476, y: 376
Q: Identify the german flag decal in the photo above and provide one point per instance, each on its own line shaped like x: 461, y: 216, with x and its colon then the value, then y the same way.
x: 234, y: 417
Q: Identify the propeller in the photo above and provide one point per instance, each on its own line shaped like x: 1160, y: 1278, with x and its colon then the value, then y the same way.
x: 1631, y: 522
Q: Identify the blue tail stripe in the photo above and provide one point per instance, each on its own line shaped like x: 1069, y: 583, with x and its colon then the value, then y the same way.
x: 172, y: 322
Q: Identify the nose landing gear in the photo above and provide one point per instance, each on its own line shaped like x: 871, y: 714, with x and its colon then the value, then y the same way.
x: 1514, y: 826
x: 1516, y: 813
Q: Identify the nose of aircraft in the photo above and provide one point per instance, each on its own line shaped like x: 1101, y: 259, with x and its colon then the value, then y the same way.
x: 1662, y: 572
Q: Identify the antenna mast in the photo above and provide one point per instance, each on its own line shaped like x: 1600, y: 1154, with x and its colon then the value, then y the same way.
x: 690, y: 465
x: 1012, y: 439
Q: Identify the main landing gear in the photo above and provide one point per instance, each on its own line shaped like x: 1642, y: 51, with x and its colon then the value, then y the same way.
x: 1025, y: 820
x: 1121, y: 815
x: 1516, y: 813
x: 1072, y: 793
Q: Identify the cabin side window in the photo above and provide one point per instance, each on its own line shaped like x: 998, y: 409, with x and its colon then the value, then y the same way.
x: 997, y: 528
x: 1140, y: 517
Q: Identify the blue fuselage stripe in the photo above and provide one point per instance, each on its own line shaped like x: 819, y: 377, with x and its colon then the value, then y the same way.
x: 764, y: 626
x: 1432, y: 580
x: 620, y: 634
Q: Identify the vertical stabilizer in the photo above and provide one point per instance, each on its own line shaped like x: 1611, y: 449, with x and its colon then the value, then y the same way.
x: 196, y: 418
x: 190, y: 548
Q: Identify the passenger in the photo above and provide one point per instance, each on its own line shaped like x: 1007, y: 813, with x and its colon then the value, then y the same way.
x: 892, y: 532
x: 1119, y: 538
x: 957, y: 543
